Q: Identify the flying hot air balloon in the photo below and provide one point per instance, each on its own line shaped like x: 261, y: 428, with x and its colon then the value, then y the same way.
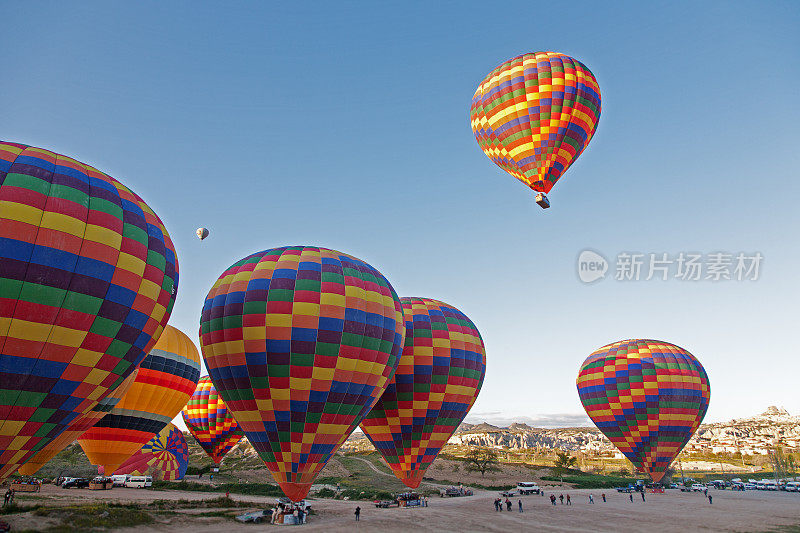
x: 77, y: 428
x: 201, y: 233
x: 438, y: 379
x: 534, y: 115
x: 165, y: 456
x: 88, y: 276
x: 210, y: 422
x: 648, y: 397
x: 166, y: 379
x: 300, y: 342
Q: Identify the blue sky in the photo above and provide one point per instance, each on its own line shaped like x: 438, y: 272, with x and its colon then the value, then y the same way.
x: 346, y: 125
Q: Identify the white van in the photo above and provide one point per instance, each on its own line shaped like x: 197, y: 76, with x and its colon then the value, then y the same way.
x: 139, y: 482
x: 119, y: 480
x: 527, y: 487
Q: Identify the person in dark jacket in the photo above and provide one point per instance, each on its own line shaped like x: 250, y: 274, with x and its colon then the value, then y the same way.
x: 358, y: 513
x: 519, y: 502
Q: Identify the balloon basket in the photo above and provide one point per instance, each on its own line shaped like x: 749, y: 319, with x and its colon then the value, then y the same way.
x: 542, y: 200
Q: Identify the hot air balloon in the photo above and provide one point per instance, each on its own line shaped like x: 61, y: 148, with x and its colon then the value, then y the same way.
x: 88, y: 276
x: 300, y: 342
x: 438, y: 379
x: 210, y: 422
x: 648, y: 397
x: 77, y: 428
x: 165, y: 456
x: 534, y: 115
x: 201, y: 233
x: 166, y: 379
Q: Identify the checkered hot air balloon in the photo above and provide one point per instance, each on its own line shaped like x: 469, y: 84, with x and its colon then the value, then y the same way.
x: 165, y: 456
x: 209, y: 421
x: 300, y: 342
x: 648, y: 397
x: 438, y: 379
x: 165, y: 381
x: 77, y: 428
x: 88, y: 276
x: 534, y: 115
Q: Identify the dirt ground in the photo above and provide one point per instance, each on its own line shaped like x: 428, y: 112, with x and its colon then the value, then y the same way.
x: 672, y: 511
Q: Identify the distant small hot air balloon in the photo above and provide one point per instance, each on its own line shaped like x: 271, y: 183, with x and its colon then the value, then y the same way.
x: 648, y: 397
x: 166, y: 455
x: 88, y: 277
x: 201, y: 233
x: 209, y: 421
x: 166, y: 379
x: 300, y: 342
x: 534, y: 115
x: 438, y: 379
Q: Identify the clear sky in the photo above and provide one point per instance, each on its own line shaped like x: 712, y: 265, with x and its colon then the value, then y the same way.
x: 346, y: 125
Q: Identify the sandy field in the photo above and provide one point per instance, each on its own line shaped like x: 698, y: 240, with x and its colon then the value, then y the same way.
x: 672, y: 511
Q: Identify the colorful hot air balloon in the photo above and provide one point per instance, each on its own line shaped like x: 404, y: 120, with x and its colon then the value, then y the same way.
x: 300, y: 342
x: 201, y: 233
x: 534, y: 115
x: 438, y: 379
x: 165, y: 456
x: 166, y: 379
x: 77, y: 428
x: 648, y: 397
x: 210, y: 422
x: 88, y: 276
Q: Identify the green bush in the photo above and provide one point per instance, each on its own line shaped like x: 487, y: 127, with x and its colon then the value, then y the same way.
x: 17, y: 508
x: 249, y: 489
x: 592, y: 481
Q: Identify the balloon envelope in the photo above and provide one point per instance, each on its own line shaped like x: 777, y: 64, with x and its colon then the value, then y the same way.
x: 165, y: 456
x: 648, y: 397
x: 300, y: 342
x: 209, y: 421
x: 166, y: 379
x: 201, y: 233
x: 88, y: 276
x: 78, y: 428
x: 535, y: 114
x: 438, y: 379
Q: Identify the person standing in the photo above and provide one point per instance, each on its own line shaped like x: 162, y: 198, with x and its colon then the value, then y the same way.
x: 561, y: 497
x: 496, y: 505
x: 301, y: 516
x: 591, y: 498
x: 553, y: 499
x: 604, y: 497
x: 630, y: 495
x: 508, y: 504
x: 643, y: 496
x: 569, y: 500
x: 709, y: 499
x: 6, y: 497
x: 519, y: 502
x: 358, y: 513
x: 11, y: 498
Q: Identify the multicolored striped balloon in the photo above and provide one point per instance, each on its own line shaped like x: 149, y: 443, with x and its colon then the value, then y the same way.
x: 438, y: 379
x: 166, y: 379
x: 534, y: 115
x: 209, y: 421
x: 165, y: 457
x: 88, y: 277
x: 648, y: 397
x: 300, y: 342
x: 77, y: 428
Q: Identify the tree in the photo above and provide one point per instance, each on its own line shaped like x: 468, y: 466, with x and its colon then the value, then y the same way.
x: 564, y: 462
x: 481, y: 460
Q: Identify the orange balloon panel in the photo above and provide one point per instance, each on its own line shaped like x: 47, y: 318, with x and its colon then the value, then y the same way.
x: 166, y: 379
x: 78, y: 428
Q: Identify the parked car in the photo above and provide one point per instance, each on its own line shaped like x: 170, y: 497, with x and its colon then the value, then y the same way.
x: 75, y: 483
x: 793, y: 486
x: 750, y: 486
x: 119, y: 480
x: 256, y: 517
x: 385, y: 504
x: 699, y: 487
x: 629, y: 488
x: 508, y: 494
x: 139, y: 482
